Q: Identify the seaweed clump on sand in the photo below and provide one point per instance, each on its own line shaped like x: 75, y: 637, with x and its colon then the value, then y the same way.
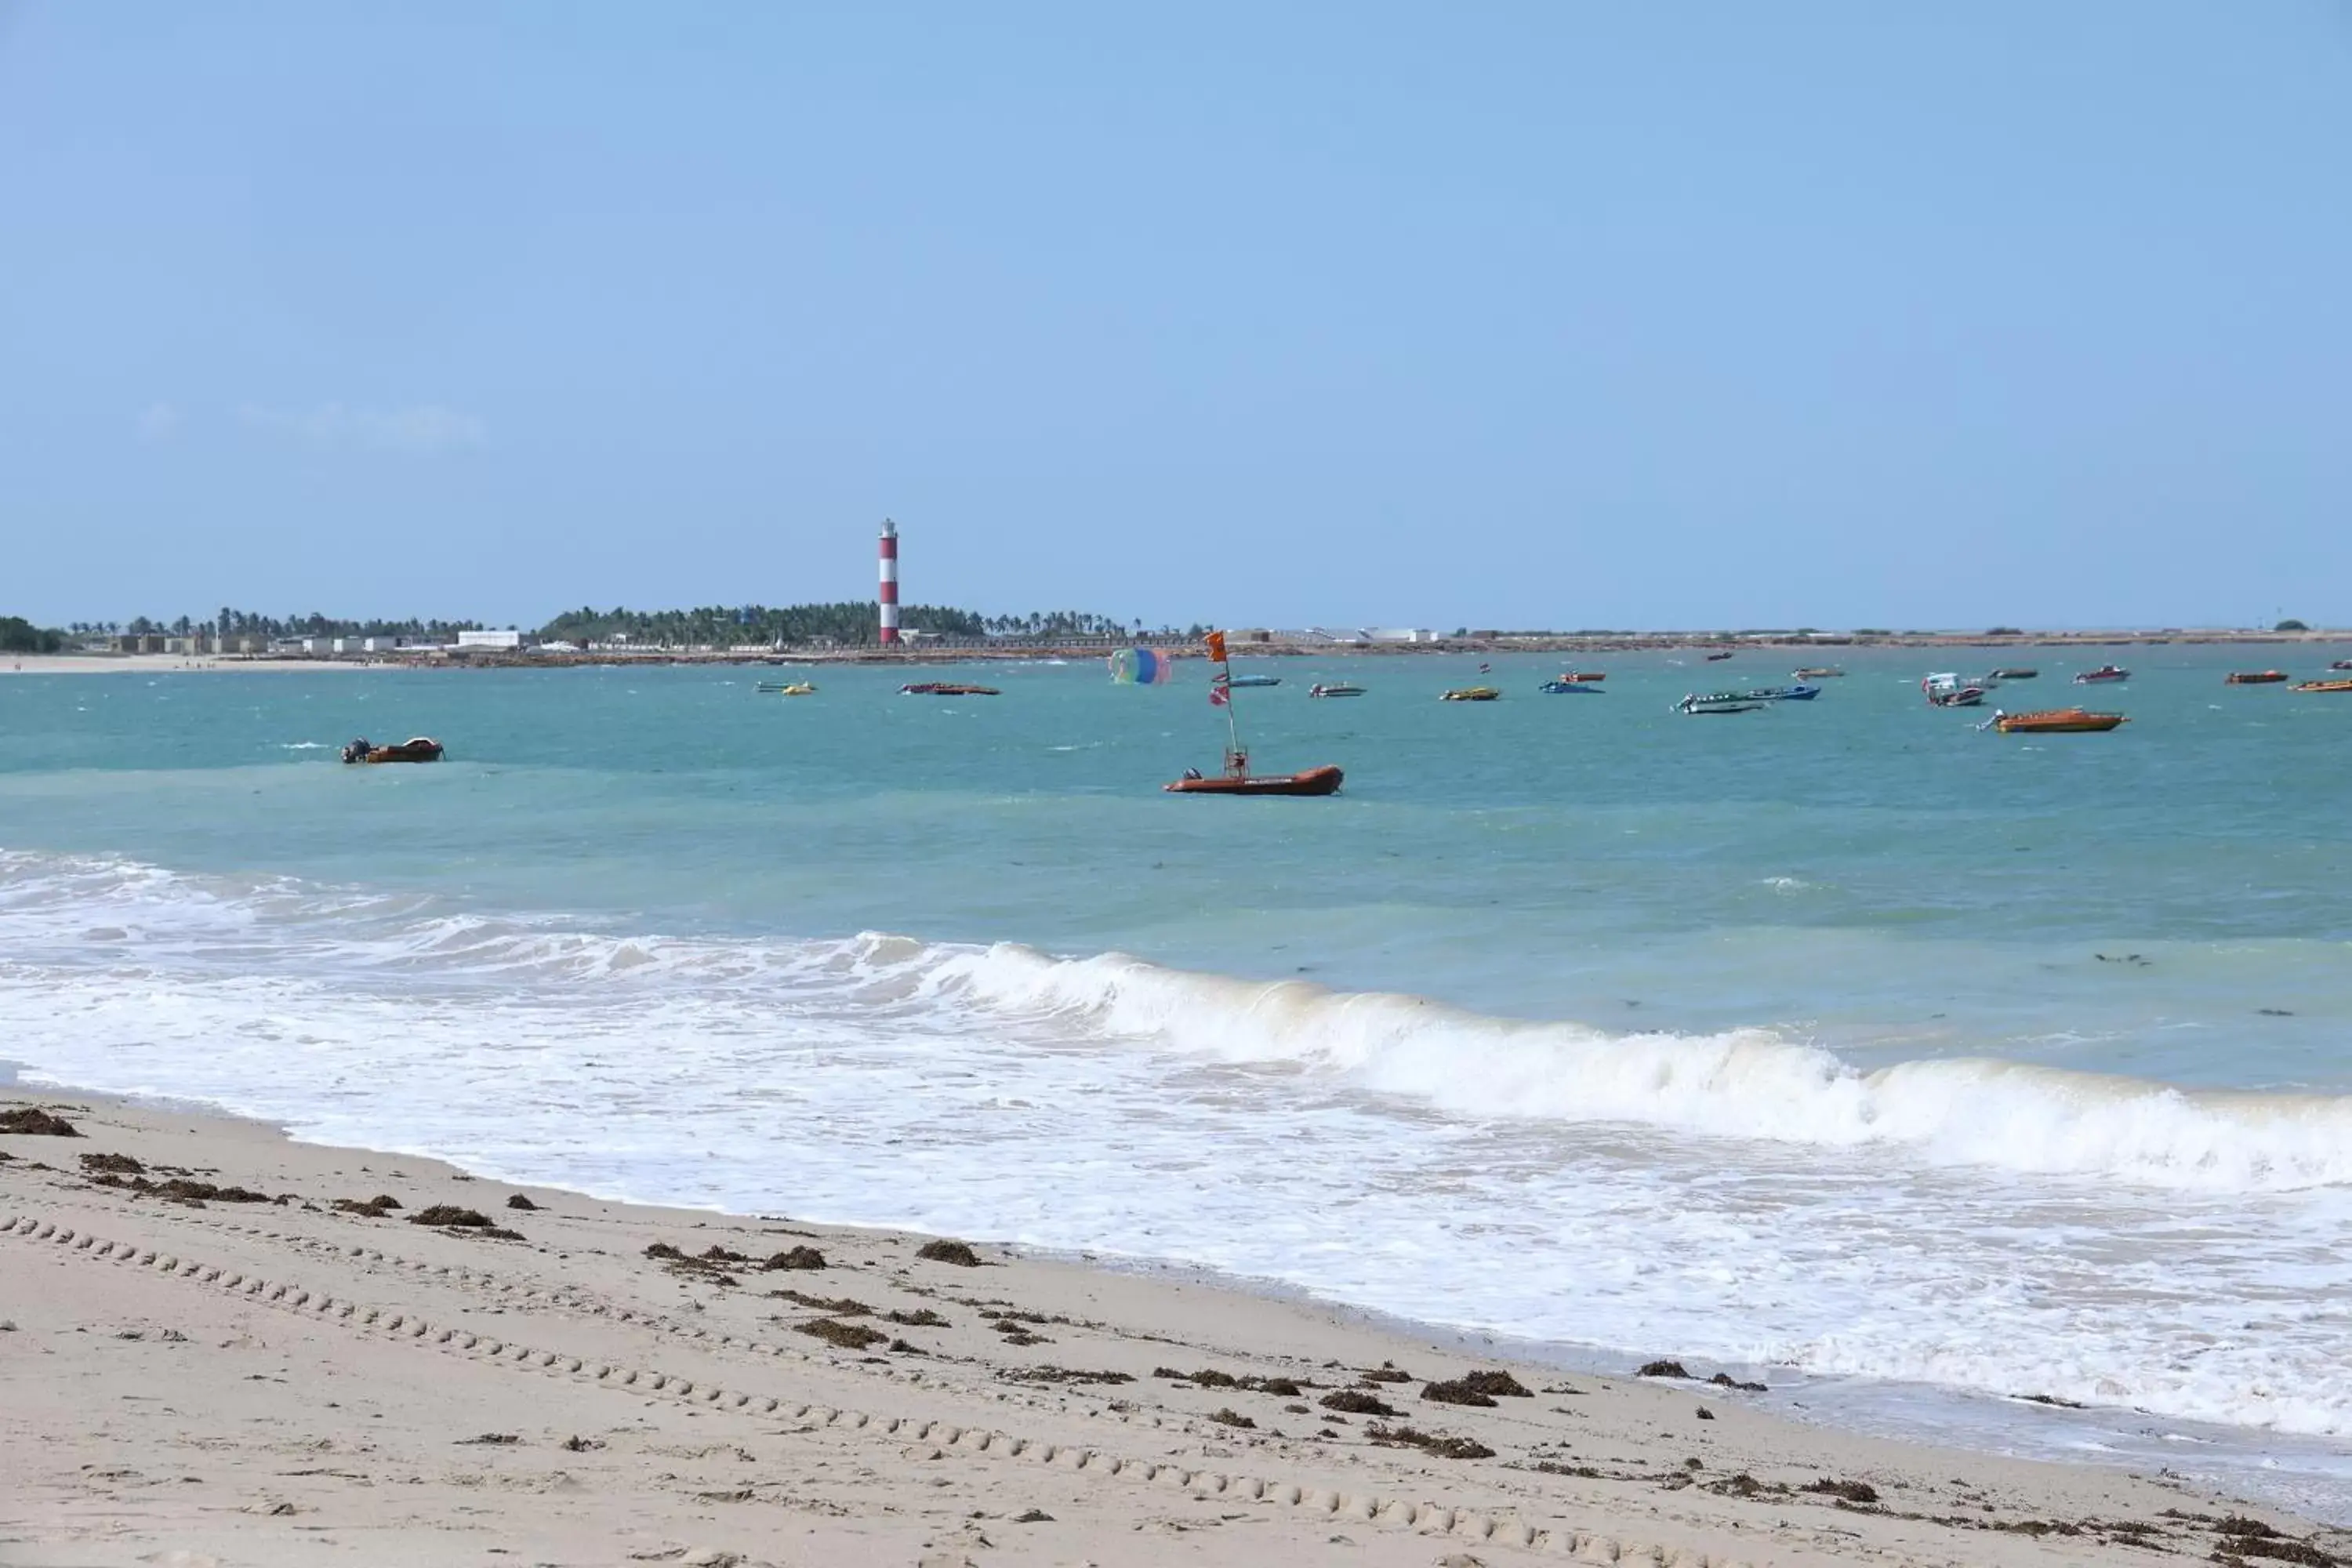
x: 1062, y: 1374
x: 1476, y: 1388
x: 946, y: 1251
x: 1208, y: 1377
x: 842, y: 1336
x: 1015, y: 1331
x: 1431, y: 1443
x: 799, y: 1257
x: 839, y: 1306
x: 32, y: 1122
x: 181, y: 1190
x: 709, y: 1266
x: 1744, y: 1485
x: 519, y: 1201
x: 921, y: 1317
x: 2240, y: 1538
x: 450, y: 1216
x: 1861, y: 1493
x: 1386, y: 1372
x: 1224, y: 1416
x: 1662, y: 1369
x: 1724, y: 1380
x: 1355, y: 1402
x: 112, y: 1164
x: 375, y: 1207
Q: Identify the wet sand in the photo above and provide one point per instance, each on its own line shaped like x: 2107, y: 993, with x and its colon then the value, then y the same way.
x: 224, y: 1347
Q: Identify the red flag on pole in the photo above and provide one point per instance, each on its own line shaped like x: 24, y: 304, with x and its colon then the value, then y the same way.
x: 1217, y: 646
x: 1218, y: 694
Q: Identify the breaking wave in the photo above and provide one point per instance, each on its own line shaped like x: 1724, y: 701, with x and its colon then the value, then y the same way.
x: 1747, y: 1083
x: 1751, y: 1084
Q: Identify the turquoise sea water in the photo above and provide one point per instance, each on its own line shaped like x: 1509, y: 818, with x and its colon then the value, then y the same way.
x: 1839, y: 1038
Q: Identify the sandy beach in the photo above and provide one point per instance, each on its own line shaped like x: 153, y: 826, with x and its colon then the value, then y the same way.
x: 225, y: 1347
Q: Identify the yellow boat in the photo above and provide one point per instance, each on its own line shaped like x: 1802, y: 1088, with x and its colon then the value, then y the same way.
x: 2325, y: 686
x: 1471, y: 694
x: 797, y: 689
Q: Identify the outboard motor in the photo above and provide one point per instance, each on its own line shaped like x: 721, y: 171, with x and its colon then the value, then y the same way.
x: 358, y: 750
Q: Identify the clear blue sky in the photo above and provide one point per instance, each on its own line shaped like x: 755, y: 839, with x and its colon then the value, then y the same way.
x: 1546, y: 314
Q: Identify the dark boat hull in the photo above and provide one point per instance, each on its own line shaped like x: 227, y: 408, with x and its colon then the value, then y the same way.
x: 1313, y: 781
x: 416, y: 751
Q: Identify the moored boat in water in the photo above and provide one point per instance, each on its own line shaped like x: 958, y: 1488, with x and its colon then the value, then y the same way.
x: 2054, y: 721
x: 2016, y: 672
x: 415, y: 749
x: 1471, y: 694
x: 1236, y: 778
x: 2105, y: 674
x: 1335, y: 689
x: 946, y: 689
x: 1568, y: 686
x: 1818, y: 672
x: 1783, y: 693
x: 1308, y: 781
x: 2325, y: 686
x: 1949, y: 691
x: 1254, y: 680
x: 2254, y: 678
x: 1718, y: 702
x: 796, y: 689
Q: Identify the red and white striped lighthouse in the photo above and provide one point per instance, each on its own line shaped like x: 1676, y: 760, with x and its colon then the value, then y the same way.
x: 889, y: 587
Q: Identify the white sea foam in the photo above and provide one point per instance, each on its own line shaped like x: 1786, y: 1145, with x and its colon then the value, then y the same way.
x: 1740, y: 1197
x: 1745, y: 1084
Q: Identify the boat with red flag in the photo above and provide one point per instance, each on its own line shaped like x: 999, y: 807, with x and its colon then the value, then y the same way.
x: 1236, y: 778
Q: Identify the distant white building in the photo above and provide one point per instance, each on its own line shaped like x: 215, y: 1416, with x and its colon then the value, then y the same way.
x: 508, y: 638
x: 1397, y: 634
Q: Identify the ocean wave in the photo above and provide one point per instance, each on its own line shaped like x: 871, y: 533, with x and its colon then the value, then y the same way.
x: 1747, y: 1083
x: 1752, y: 1084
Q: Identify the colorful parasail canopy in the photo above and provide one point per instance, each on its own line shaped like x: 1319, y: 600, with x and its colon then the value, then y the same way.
x: 1141, y: 666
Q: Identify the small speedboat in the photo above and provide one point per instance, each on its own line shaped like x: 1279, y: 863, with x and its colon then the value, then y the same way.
x: 2055, y: 721
x: 1335, y: 689
x: 1254, y: 680
x: 2105, y: 674
x: 1312, y: 781
x: 946, y: 689
x: 2341, y: 664
x: 1718, y: 702
x: 797, y: 689
x: 1949, y: 690
x: 2325, y: 686
x: 1716, y: 657
x: 1819, y: 672
x: 1784, y: 693
x: 1568, y: 686
x: 1584, y: 677
x: 1471, y: 694
x: 415, y: 749
x: 2016, y: 672
x: 2254, y: 678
